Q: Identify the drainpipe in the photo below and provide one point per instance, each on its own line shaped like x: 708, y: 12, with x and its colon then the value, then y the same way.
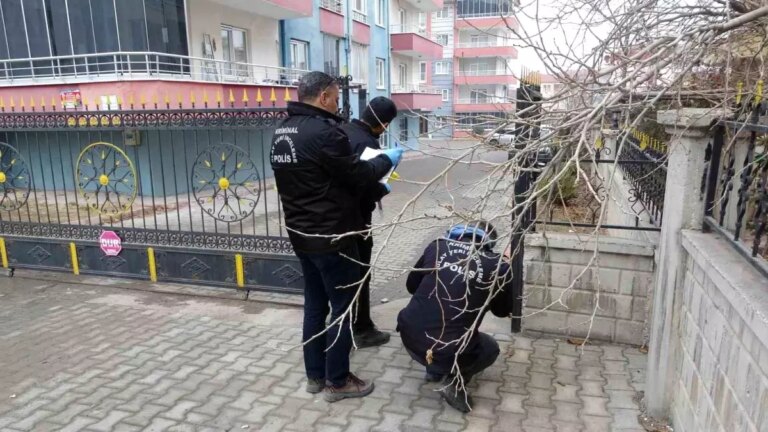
x: 281, y: 35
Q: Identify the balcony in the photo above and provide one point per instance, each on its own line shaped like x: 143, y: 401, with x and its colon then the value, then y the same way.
x: 416, y: 97
x: 486, y: 48
x: 415, y: 42
x: 129, y: 66
x: 486, y: 22
x: 484, y: 104
x: 426, y: 5
x: 277, y: 9
x: 484, y: 76
x: 332, y: 17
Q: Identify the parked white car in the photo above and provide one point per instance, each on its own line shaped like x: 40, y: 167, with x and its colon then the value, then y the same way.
x: 504, y: 138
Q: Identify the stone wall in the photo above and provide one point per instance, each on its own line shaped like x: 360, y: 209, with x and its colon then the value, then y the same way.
x: 721, y: 339
x: 565, y: 267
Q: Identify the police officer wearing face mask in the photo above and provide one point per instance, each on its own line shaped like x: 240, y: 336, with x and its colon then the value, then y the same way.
x: 317, y: 176
x: 450, y: 285
x: 364, y: 133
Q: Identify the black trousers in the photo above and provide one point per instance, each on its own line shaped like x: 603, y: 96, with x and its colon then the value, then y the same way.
x: 363, y: 321
x: 472, y: 361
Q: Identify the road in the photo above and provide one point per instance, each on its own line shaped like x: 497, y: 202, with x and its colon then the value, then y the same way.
x: 456, y: 192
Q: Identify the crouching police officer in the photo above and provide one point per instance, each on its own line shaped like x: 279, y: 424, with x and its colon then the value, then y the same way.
x: 450, y: 286
x: 317, y: 175
x: 364, y: 133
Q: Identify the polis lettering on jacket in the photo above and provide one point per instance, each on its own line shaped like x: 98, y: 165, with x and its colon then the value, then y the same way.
x: 283, y: 151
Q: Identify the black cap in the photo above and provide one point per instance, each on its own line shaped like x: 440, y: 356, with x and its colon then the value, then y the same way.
x: 380, y: 110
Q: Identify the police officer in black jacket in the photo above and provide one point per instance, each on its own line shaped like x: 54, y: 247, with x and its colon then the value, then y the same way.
x: 450, y: 285
x: 317, y: 177
x: 364, y: 133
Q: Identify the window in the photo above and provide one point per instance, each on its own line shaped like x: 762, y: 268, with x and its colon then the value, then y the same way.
x: 360, y: 12
x: 381, y: 10
x: 442, y: 68
x: 446, y: 93
x: 479, y: 40
x: 359, y: 62
x: 403, y: 129
x: 422, y: 71
x: 331, y: 55
x: 443, y: 13
x: 234, y: 51
x: 423, y: 126
x: 403, y: 17
x: 478, y: 96
x: 381, y: 71
x: 442, y: 39
x: 299, y: 54
x: 402, y: 75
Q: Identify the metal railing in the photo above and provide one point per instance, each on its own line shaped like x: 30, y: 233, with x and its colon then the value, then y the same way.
x: 141, y: 65
x: 332, y: 5
x: 485, y: 100
x: 360, y: 17
x: 495, y: 42
x: 410, y: 28
x: 415, y: 88
x: 735, y: 186
x: 484, y: 72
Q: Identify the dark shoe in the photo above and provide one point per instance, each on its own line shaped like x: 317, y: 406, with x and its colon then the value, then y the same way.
x: 354, y: 388
x: 457, y: 398
x: 315, y: 385
x: 370, y: 338
x: 433, y: 377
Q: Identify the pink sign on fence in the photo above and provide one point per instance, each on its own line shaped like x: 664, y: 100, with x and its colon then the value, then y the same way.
x: 111, y: 244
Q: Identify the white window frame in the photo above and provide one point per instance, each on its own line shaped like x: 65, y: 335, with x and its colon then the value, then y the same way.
x: 381, y: 73
x: 402, y: 75
x: 446, y: 94
x: 423, y: 72
x: 231, y: 69
x: 381, y: 7
x: 478, y: 96
x: 443, y: 13
x: 295, y: 43
x: 359, y: 63
x: 364, y: 6
x: 442, y: 68
x: 439, y: 39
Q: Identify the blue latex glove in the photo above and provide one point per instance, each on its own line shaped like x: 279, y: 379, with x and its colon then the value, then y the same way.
x: 394, y: 155
x: 388, y: 187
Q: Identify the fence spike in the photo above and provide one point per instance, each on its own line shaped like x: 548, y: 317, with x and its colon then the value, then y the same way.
x: 231, y: 97
x: 21, y: 102
x: 739, y: 90
x: 272, y: 96
x: 2, y: 103
x: 155, y: 99
x: 287, y: 97
x: 12, y: 104
x: 120, y: 101
x: 259, y: 99
x: 218, y: 97
x: 130, y: 100
x: 167, y: 100
x: 179, y: 99
x: 245, y: 96
x: 142, y: 100
x: 205, y: 97
x: 53, y: 103
x: 192, y: 98
x: 32, y: 103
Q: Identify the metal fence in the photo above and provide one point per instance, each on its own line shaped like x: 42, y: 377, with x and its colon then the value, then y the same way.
x: 735, y: 186
x: 189, y: 193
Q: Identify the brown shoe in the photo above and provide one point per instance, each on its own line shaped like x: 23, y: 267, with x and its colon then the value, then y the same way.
x: 353, y: 388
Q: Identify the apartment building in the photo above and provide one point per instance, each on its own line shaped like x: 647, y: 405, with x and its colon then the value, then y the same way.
x: 414, y: 48
x: 110, y: 51
x: 476, y: 77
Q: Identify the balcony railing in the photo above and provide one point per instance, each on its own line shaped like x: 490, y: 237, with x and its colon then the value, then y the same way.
x: 420, y: 30
x: 484, y: 72
x: 141, y: 65
x: 485, y: 43
x: 332, y: 5
x: 359, y: 17
x: 415, y: 88
x: 484, y: 100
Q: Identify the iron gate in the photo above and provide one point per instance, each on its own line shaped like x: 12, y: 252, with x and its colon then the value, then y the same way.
x: 188, y: 192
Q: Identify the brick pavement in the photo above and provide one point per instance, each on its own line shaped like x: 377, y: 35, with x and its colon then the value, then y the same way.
x: 76, y: 357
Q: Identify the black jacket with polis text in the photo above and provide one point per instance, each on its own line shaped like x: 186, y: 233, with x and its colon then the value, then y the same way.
x: 361, y: 136
x: 317, y: 176
x: 450, y: 284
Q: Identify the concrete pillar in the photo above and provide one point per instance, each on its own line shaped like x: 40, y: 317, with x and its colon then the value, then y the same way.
x: 683, y: 209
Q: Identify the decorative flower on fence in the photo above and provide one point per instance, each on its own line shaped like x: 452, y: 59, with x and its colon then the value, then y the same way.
x: 14, y: 179
x: 106, y: 179
x: 226, y: 183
